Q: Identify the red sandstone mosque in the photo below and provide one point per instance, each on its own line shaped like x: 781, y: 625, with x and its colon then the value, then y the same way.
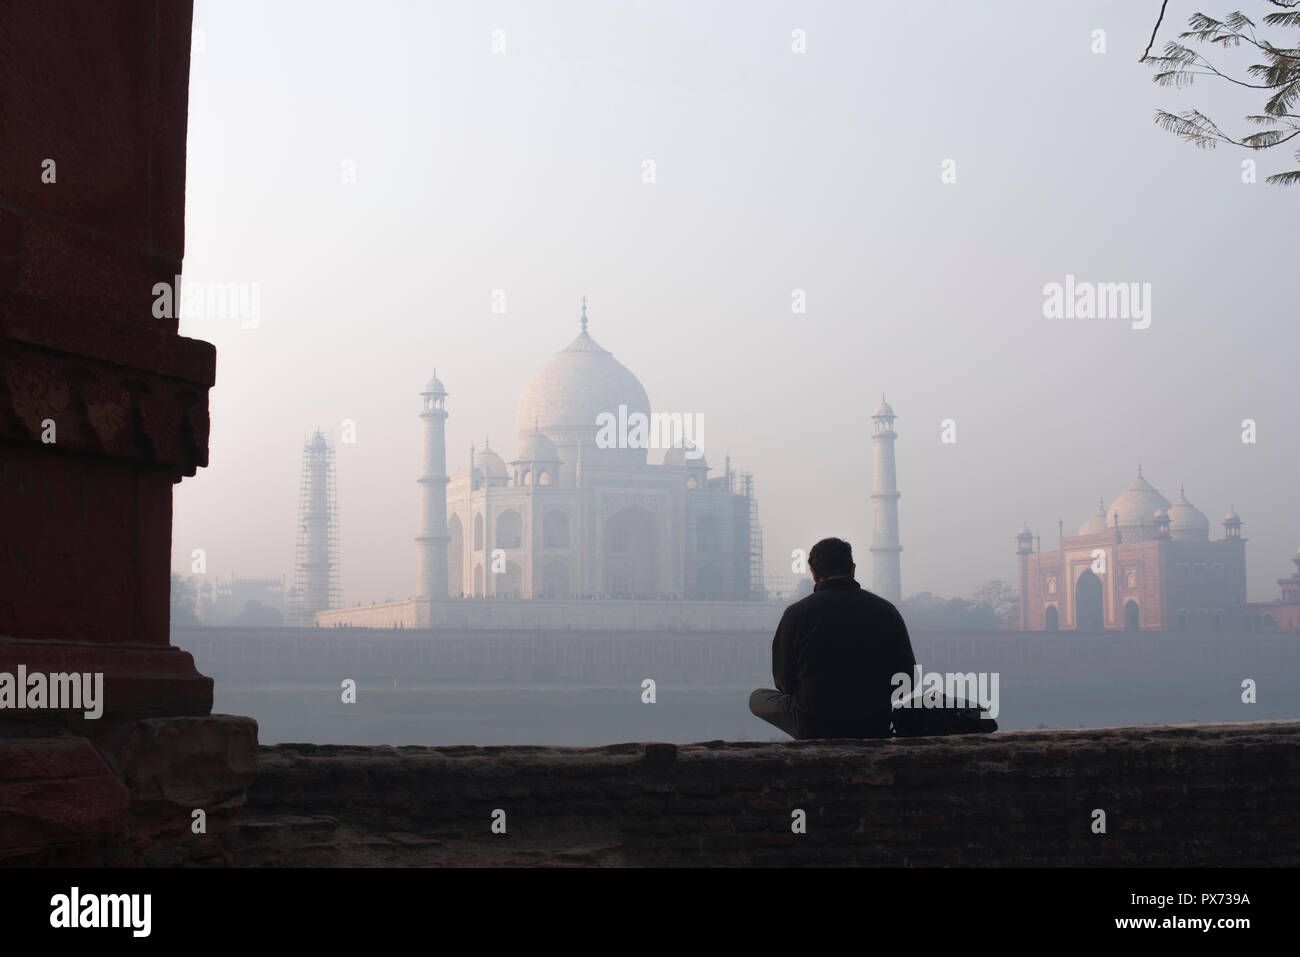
x: 1146, y: 564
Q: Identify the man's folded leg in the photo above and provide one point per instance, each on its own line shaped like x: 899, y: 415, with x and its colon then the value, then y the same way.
x: 775, y: 708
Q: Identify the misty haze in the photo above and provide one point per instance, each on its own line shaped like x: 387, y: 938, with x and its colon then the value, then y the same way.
x: 549, y: 357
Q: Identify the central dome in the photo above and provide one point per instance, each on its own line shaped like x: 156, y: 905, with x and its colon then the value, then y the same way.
x: 1137, y: 504
x: 578, y: 383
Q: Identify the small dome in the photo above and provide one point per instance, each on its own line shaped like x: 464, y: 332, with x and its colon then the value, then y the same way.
x: 676, y: 457
x: 1024, y: 532
x: 435, y: 385
x: 1096, y: 524
x: 884, y: 408
x: 1232, y: 518
x: 490, y: 462
x: 536, y: 447
x: 1161, y: 515
x: 1186, y: 522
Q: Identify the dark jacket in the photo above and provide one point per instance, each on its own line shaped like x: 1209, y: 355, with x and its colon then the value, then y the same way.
x: 835, y: 652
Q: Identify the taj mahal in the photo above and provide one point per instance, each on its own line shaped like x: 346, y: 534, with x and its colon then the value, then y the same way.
x: 567, y: 516
x: 570, y: 517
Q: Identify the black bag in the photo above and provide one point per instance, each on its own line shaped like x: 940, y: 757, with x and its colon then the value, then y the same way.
x: 943, y: 716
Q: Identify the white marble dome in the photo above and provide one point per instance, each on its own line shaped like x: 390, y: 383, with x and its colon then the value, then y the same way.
x: 1187, y: 523
x: 1137, y: 504
x: 489, y: 461
x: 535, y: 447
x: 578, y: 383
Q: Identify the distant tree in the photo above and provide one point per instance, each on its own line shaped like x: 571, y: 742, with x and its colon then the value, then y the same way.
x: 928, y: 612
x: 999, y: 596
x: 185, y: 600
x: 257, y: 615
x: 1278, y: 76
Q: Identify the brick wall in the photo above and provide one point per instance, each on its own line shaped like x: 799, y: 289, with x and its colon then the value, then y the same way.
x: 1208, y: 795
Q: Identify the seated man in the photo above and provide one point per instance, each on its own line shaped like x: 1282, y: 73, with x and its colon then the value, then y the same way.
x: 834, y: 655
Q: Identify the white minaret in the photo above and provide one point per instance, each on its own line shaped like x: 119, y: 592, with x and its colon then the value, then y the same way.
x: 885, y: 574
x: 431, y: 542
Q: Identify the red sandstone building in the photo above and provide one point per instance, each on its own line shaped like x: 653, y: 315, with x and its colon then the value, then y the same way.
x: 1144, y: 564
x: 1284, y: 614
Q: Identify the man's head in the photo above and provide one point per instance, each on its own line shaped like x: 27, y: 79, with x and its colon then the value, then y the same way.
x: 831, y: 558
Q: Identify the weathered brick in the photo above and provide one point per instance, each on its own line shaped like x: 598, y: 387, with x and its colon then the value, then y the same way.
x: 1173, y: 796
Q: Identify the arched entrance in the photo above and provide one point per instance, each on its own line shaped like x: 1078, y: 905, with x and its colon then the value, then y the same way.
x: 708, y: 583
x: 555, y: 530
x: 1088, y: 606
x: 708, y: 538
x: 478, y: 581
x: 1052, y: 621
x: 510, y: 583
x: 509, y: 530
x: 631, y: 554
x: 555, y: 580
x: 1132, y: 616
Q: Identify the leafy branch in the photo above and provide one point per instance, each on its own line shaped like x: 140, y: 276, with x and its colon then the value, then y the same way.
x: 1279, y: 74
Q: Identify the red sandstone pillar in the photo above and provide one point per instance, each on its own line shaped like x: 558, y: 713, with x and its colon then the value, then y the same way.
x: 102, y: 405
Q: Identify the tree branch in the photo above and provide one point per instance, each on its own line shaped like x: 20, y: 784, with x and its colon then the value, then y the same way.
x: 1151, y: 42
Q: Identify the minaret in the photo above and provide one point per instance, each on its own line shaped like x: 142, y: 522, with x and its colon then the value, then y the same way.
x: 885, y: 549
x: 431, y: 542
x: 1025, y: 548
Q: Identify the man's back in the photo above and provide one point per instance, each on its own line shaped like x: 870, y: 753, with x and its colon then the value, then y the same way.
x: 836, y: 652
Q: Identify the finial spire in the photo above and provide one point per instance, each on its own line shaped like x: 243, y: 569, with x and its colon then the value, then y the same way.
x: 1139, y: 470
x: 584, y: 313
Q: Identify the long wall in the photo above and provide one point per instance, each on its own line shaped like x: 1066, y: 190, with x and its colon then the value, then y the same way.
x: 722, y: 657
x: 1213, y: 795
x: 473, y: 614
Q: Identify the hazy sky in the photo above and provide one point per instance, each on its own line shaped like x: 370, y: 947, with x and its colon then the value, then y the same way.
x: 775, y: 171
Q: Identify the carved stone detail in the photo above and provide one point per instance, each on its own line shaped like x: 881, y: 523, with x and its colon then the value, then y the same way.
x: 101, y: 408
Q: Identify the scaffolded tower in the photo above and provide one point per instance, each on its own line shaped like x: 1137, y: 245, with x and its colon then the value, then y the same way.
x: 757, y: 580
x: 316, y: 570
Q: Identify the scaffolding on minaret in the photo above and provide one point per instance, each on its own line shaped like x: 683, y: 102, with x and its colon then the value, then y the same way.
x: 757, y: 579
x: 316, y: 564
